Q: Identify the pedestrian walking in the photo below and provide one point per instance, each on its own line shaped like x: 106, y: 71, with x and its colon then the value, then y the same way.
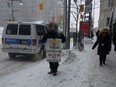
x: 114, y: 36
x: 104, y: 45
x: 53, y: 33
x: 92, y: 34
x: 97, y: 33
x: 114, y: 41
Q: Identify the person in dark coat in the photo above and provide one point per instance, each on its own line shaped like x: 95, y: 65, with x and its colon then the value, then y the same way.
x: 114, y: 41
x: 114, y: 36
x: 97, y: 33
x: 53, y: 33
x: 104, y: 45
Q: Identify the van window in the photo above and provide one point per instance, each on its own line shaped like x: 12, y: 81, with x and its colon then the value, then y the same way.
x: 12, y: 29
x: 25, y: 30
x: 40, y: 30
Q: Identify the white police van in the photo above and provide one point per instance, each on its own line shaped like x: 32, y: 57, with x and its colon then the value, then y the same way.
x: 23, y: 39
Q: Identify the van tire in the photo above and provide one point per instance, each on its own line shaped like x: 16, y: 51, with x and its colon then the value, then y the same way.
x: 39, y: 55
x: 11, y: 55
x: 43, y: 54
x: 35, y: 57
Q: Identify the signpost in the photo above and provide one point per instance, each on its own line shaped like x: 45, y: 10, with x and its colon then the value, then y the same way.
x: 12, y: 8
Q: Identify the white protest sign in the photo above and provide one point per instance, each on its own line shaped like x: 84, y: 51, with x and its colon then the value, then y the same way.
x: 53, y: 50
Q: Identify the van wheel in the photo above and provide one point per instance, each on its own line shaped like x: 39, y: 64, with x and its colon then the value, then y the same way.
x: 35, y: 57
x: 43, y: 54
x: 11, y: 55
x: 39, y: 55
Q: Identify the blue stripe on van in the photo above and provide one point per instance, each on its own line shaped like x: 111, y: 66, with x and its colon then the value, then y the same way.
x: 16, y: 41
x: 41, y: 42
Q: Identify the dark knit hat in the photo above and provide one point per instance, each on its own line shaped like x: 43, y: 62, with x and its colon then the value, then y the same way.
x: 105, y: 31
x: 52, y: 24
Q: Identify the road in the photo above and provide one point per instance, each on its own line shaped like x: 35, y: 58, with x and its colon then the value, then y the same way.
x: 8, y: 66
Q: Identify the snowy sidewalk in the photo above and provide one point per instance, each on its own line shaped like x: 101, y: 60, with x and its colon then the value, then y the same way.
x: 80, y: 69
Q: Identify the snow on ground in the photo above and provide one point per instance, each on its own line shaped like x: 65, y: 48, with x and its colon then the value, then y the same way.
x: 77, y: 69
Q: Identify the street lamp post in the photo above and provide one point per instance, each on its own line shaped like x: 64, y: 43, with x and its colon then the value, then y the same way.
x: 65, y: 20
x: 68, y: 27
x: 12, y: 8
x: 12, y: 11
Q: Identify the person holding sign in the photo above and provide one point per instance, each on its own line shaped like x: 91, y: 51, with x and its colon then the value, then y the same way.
x: 53, y: 39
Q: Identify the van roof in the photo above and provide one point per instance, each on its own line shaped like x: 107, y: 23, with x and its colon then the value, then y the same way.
x: 34, y: 22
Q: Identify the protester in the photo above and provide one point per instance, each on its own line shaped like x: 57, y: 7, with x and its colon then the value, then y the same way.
x: 53, y: 33
x: 104, y: 45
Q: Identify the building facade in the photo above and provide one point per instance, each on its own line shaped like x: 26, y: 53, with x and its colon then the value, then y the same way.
x: 30, y: 10
x: 106, y: 7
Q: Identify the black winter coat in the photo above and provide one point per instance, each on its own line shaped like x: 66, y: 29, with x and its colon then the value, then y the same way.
x: 104, y: 45
x: 114, y: 41
x: 54, y: 34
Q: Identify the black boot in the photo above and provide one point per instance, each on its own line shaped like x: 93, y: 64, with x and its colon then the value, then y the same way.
x: 100, y: 60
x: 54, y: 74
x: 100, y: 64
x: 50, y: 72
x: 104, y: 59
x: 104, y: 63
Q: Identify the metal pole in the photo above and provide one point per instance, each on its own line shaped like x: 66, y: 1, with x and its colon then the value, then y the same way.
x: 94, y: 11
x: 12, y: 10
x: 68, y: 27
x: 65, y: 20
x: 90, y: 19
